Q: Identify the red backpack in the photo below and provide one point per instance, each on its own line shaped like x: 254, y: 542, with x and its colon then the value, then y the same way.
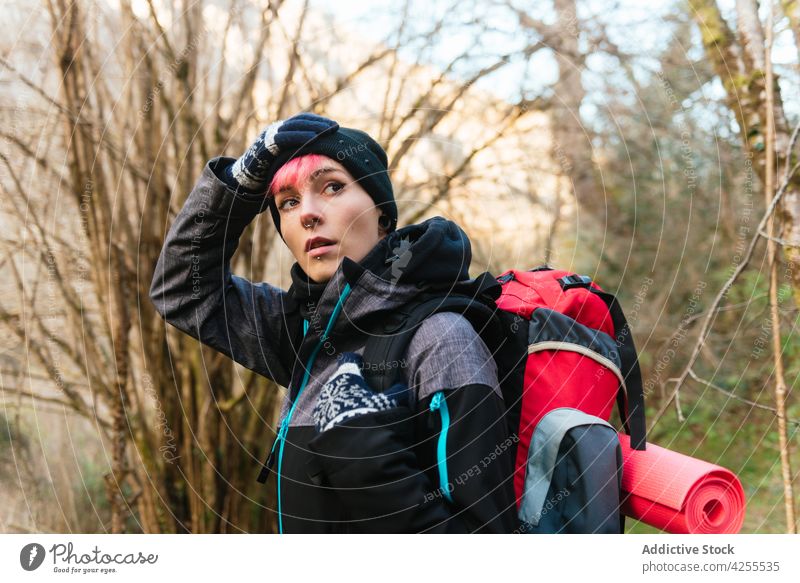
x: 564, y: 355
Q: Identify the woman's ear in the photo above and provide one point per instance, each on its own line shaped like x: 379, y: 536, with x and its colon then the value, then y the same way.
x: 384, y: 224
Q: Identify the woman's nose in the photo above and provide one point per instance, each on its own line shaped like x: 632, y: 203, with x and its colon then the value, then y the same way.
x: 310, y: 211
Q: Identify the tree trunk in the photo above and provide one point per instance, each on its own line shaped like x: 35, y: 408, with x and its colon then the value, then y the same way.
x: 735, y: 61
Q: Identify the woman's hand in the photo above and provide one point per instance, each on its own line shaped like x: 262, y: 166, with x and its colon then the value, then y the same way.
x: 346, y: 395
x: 251, y: 169
x: 365, y: 452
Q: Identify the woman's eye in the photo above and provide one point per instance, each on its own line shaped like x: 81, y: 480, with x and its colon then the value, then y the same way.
x: 285, y: 202
x: 333, y: 187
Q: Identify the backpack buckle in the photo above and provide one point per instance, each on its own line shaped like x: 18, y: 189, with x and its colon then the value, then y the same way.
x: 504, y: 279
x: 572, y: 281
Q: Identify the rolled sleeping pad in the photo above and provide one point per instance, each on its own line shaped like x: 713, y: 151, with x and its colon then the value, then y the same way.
x: 678, y: 493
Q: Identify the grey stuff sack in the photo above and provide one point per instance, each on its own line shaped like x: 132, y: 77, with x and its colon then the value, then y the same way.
x: 573, y: 476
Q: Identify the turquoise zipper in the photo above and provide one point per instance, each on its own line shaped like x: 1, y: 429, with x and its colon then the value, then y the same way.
x: 284, y: 429
x: 438, y: 403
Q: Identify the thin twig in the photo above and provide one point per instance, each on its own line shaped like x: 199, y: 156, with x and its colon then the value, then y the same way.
x: 779, y: 241
x: 736, y: 397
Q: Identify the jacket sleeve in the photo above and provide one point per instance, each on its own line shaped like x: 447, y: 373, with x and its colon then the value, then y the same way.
x: 469, y: 457
x: 194, y: 290
x: 464, y: 443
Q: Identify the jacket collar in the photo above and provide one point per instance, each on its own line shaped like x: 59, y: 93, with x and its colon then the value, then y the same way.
x: 433, y: 254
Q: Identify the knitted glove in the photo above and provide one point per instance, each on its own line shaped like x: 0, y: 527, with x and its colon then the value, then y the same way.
x: 346, y: 395
x: 250, y: 170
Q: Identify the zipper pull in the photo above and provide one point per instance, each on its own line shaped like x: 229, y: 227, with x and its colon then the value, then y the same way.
x: 266, y: 467
x: 271, y: 458
x: 263, y: 475
x: 436, y: 402
x: 439, y: 404
x: 282, y: 430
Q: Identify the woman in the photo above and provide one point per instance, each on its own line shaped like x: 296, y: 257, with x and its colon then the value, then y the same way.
x: 347, y: 459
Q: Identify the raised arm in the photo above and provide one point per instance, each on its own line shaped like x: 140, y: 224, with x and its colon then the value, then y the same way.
x: 193, y: 287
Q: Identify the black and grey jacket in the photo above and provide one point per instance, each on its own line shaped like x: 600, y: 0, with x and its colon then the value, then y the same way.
x: 442, y: 464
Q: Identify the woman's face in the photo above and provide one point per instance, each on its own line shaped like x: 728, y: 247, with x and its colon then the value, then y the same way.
x: 325, y: 217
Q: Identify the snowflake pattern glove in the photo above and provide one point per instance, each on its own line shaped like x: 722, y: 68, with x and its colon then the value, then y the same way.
x: 251, y: 169
x: 347, y: 395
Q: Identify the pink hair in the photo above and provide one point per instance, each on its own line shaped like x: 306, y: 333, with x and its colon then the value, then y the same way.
x: 295, y: 172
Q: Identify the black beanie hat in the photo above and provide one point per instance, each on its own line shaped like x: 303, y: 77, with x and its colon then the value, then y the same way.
x: 362, y: 156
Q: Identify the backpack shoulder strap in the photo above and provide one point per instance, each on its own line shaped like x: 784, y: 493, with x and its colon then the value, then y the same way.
x: 632, y: 412
x: 389, y: 343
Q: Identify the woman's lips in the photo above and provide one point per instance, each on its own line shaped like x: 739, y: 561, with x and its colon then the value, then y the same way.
x: 318, y: 251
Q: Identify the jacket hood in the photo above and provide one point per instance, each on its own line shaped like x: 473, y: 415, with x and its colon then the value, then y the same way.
x: 436, y: 253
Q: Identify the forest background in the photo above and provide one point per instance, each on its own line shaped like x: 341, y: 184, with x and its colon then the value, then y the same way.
x: 652, y: 146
